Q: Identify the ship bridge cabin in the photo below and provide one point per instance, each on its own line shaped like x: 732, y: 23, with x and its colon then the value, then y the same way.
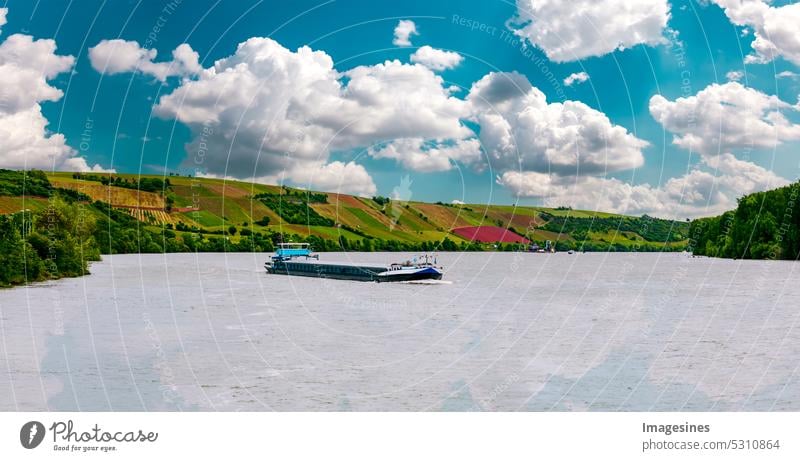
x: 292, y: 250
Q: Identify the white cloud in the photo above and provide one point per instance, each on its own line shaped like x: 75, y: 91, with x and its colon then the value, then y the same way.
x: 436, y: 59
x: 742, y: 177
x: 456, y: 202
x: 577, y: 77
x: 531, y: 183
x: 418, y: 155
x: 724, y: 117
x: 712, y: 120
x: 717, y: 186
x: 717, y: 120
x: 701, y: 192
x: 3, y: 13
x: 589, y: 193
x: 775, y: 28
x: 787, y: 74
x: 568, y: 31
x: 403, y: 31
x: 521, y: 130
x: 734, y: 75
x: 26, y: 143
x: 186, y: 60
x: 559, y: 152
x: 394, y: 100
x: 344, y: 178
x: 121, y: 56
x: 26, y: 65
x: 274, y: 111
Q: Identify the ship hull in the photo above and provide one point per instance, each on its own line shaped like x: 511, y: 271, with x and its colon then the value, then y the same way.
x: 427, y: 273
x: 361, y: 273
x: 356, y: 272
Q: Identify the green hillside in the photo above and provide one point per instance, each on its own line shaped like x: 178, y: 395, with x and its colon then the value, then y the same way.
x: 229, y: 207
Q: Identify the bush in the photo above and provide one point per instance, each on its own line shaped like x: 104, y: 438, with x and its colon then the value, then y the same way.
x: 294, y: 209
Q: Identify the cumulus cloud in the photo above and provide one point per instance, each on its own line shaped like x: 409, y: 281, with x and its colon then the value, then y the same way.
x: 716, y: 186
x: 269, y: 112
x: 723, y: 117
x: 712, y: 122
x: 344, y: 178
x: 266, y: 111
x: 430, y: 156
x: 568, y: 31
x: 121, y: 56
x: 436, y: 59
x: 3, y: 13
x: 734, y: 75
x: 787, y: 74
x: 26, y: 65
x: 577, y: 77
x: 708, y: 190
x: 395, y: 100
x: 403, y: 31
x: 715, y: 121
x: 521, y: 130
x: 775, y: 28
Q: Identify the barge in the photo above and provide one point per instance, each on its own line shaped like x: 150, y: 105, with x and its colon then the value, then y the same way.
x: 298, y: 259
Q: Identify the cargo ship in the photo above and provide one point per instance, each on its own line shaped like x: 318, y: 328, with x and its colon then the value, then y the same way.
x: 298, y: 259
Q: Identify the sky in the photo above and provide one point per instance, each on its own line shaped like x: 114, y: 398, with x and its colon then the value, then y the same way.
x: 673, y: 109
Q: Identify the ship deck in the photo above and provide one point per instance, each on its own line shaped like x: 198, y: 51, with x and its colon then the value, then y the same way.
x: 337, y: 270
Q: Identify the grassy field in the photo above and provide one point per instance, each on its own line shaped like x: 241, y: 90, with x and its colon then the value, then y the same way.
x: 10, y: 205
x: 113, y: 195
x: 220, y: 205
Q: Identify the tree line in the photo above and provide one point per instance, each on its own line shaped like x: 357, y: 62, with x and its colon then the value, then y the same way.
x: 650, y: 228
x: 142, y: 184
x: 56, y: 242
x: 764, y: 225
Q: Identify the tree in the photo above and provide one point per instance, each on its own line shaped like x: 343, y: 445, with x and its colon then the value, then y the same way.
x: 19, y: 263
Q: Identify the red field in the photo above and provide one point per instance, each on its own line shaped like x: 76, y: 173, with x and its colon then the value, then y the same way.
x: 489, y: 234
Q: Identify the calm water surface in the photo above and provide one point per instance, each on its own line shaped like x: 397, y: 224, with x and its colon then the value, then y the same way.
x: 505, y: 332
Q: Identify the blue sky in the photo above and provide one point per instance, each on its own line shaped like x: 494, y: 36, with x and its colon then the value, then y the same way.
x: 107, y: 116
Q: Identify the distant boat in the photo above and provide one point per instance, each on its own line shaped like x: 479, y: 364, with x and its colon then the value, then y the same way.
x: 298, y: 259
x: 549, y: 247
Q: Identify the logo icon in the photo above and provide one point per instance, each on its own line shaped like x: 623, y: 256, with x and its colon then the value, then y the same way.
x: 31, y: 434
x: 401, y: 195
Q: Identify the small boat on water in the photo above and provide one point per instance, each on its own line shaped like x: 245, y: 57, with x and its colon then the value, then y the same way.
x: 411, y: 271
x: 549, y: 247
x: 299, y: 259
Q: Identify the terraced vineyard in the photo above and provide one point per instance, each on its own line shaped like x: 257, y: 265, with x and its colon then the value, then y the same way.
x: 235, y: 208
x: 116, y: 196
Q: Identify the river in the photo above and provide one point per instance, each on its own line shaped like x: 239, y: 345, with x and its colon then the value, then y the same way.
x: 504, y: 331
